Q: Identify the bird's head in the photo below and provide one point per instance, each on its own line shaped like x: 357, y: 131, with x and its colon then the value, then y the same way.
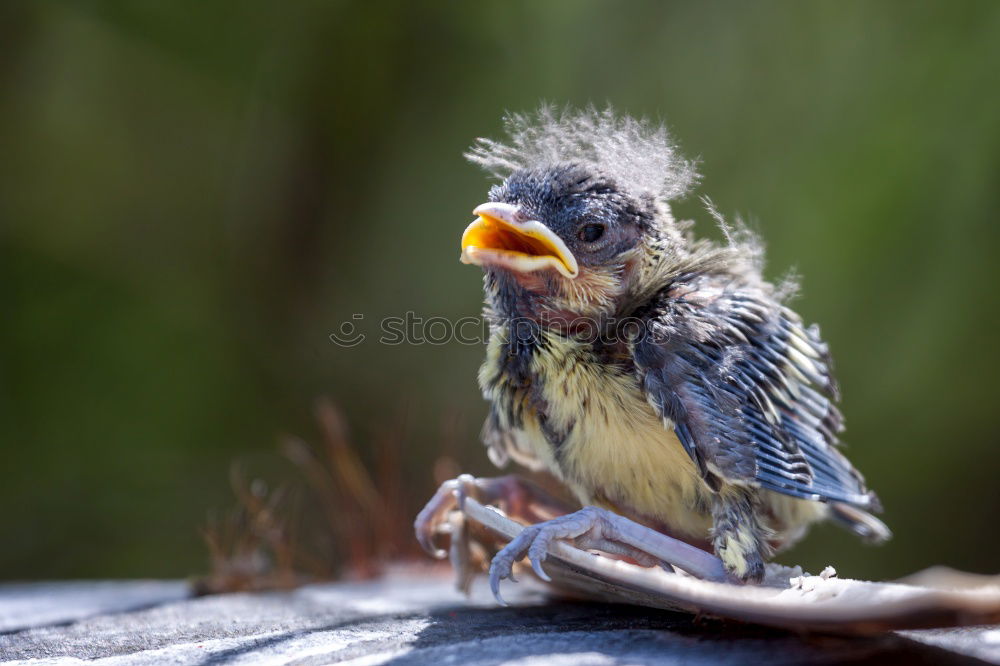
x: 564, y: 235
x: 580, y: 216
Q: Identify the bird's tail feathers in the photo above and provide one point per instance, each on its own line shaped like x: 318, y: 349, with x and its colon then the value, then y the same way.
x: 860, y: 522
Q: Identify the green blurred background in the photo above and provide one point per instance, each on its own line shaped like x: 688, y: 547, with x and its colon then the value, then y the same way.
x: 194, y: 195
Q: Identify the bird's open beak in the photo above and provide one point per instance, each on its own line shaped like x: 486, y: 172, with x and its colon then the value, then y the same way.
x: 499, y: 238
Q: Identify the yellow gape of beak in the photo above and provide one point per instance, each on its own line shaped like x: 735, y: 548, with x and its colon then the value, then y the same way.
x: 499, y: 238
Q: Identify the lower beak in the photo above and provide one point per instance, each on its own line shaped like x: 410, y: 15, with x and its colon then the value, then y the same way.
x: 499, y: 238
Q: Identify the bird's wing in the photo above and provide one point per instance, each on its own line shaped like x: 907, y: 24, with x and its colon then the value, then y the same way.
x: 748, y: 390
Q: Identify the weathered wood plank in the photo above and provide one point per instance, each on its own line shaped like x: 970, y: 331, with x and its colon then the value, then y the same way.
x: 412, y: 617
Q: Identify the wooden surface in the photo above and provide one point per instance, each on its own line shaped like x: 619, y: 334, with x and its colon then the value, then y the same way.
x: 414, y: 617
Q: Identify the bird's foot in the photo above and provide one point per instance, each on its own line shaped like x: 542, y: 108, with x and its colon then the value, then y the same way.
x: 432, y: 519
x: 593, y: 528
x: 443, y: 514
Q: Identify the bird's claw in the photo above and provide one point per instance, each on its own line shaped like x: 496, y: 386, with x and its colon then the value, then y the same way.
x: 593, y: 528
x: 432, y: 519
x: 536, y: 565
x: 502, y: 565
x: 534, y: 542
x: 590, y: 528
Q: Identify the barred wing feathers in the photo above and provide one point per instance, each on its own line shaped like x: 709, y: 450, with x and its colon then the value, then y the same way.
x: 748, y: 389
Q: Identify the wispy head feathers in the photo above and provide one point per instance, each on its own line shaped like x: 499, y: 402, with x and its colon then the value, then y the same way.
x: 639, y: 155
x: 642, y: 159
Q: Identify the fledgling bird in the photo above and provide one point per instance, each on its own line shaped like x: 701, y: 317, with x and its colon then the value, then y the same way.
x: 659, y: 377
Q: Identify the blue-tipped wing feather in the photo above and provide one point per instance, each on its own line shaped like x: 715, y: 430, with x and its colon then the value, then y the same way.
x: 748, y: 389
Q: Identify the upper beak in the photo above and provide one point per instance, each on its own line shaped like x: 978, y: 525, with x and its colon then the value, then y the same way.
x: 499, y: 237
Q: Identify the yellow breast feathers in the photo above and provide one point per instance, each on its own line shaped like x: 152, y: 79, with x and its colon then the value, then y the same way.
x: 588, y: 422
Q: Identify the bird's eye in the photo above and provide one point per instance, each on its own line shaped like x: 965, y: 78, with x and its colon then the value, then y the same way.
x: 591, y: 232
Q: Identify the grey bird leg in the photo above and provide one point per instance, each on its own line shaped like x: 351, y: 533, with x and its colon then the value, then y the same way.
x: 595, y: 526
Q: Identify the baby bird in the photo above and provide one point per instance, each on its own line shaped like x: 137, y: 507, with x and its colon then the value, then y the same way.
x: 659, y: 377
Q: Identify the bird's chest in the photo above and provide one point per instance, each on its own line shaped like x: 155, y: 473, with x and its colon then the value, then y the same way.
x: 586, y: 419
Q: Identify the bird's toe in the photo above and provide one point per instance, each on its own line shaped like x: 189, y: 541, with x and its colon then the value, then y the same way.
x: 431, y: 519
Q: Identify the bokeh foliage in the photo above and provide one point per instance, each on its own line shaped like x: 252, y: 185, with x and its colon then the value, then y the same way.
x: 193, y: 195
